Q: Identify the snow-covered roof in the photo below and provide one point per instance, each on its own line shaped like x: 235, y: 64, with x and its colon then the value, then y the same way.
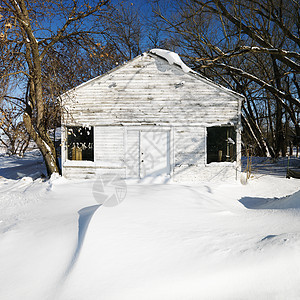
x: 174, y: 59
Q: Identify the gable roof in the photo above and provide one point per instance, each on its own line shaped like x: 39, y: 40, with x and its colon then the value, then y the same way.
x: 171, y: 58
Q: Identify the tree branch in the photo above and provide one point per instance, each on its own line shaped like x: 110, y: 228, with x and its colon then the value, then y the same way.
x: 72, y: 18
x: 267, y: 86
x: 251, y: 33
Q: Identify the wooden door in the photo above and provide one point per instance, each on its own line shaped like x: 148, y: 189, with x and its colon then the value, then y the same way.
x: 154, y: 153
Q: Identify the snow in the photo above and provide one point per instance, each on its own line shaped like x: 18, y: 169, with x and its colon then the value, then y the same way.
x: 47, y: 146
x: 211, y: 240
x: 15, y: 167
x: 172, y: 58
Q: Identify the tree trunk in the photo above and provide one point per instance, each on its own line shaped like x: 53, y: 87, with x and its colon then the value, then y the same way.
x: 258, y: 137
x: 256, y: 132
x: 46, y: 147
x: 279, y: 136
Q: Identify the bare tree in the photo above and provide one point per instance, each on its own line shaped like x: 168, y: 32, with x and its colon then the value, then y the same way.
x: 13, y: 134
x: 30, y: 30
x: 251, y: 47
x: 124, y: 30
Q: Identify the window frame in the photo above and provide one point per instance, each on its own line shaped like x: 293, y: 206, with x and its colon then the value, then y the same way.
x: 234, y: 136
x: 86, y: 158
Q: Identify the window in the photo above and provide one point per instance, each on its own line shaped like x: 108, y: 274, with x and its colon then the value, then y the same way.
x: 221, y: 144
x: 80, y: 143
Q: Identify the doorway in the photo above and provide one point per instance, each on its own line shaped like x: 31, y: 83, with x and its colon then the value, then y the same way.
x: 154, y: 153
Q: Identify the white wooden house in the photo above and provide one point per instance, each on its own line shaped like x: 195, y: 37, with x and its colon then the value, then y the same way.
x: 152, y: 116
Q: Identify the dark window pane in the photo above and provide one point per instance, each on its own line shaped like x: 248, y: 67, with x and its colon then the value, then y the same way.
x: 221, y: 144
x: 80, y: 143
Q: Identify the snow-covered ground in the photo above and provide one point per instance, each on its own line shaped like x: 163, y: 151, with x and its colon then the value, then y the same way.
x: 213, y: 240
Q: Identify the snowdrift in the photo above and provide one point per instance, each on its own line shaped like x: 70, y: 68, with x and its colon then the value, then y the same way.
x: 292, y: 201
x: 212, y: 240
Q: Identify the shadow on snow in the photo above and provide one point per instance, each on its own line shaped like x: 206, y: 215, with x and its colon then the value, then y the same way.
x: 85, y: 216
x: 287, y: 202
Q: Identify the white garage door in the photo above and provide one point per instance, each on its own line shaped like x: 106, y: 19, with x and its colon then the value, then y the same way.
x: 154, y: 153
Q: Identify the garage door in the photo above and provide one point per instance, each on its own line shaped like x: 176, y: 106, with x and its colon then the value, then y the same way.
x: 154, y: 153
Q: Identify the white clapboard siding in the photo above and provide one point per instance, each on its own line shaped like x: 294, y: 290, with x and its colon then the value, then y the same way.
x: 109, y: 145
x: 190, y: 146
x: 148, y: 90
x: 91, y: 172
